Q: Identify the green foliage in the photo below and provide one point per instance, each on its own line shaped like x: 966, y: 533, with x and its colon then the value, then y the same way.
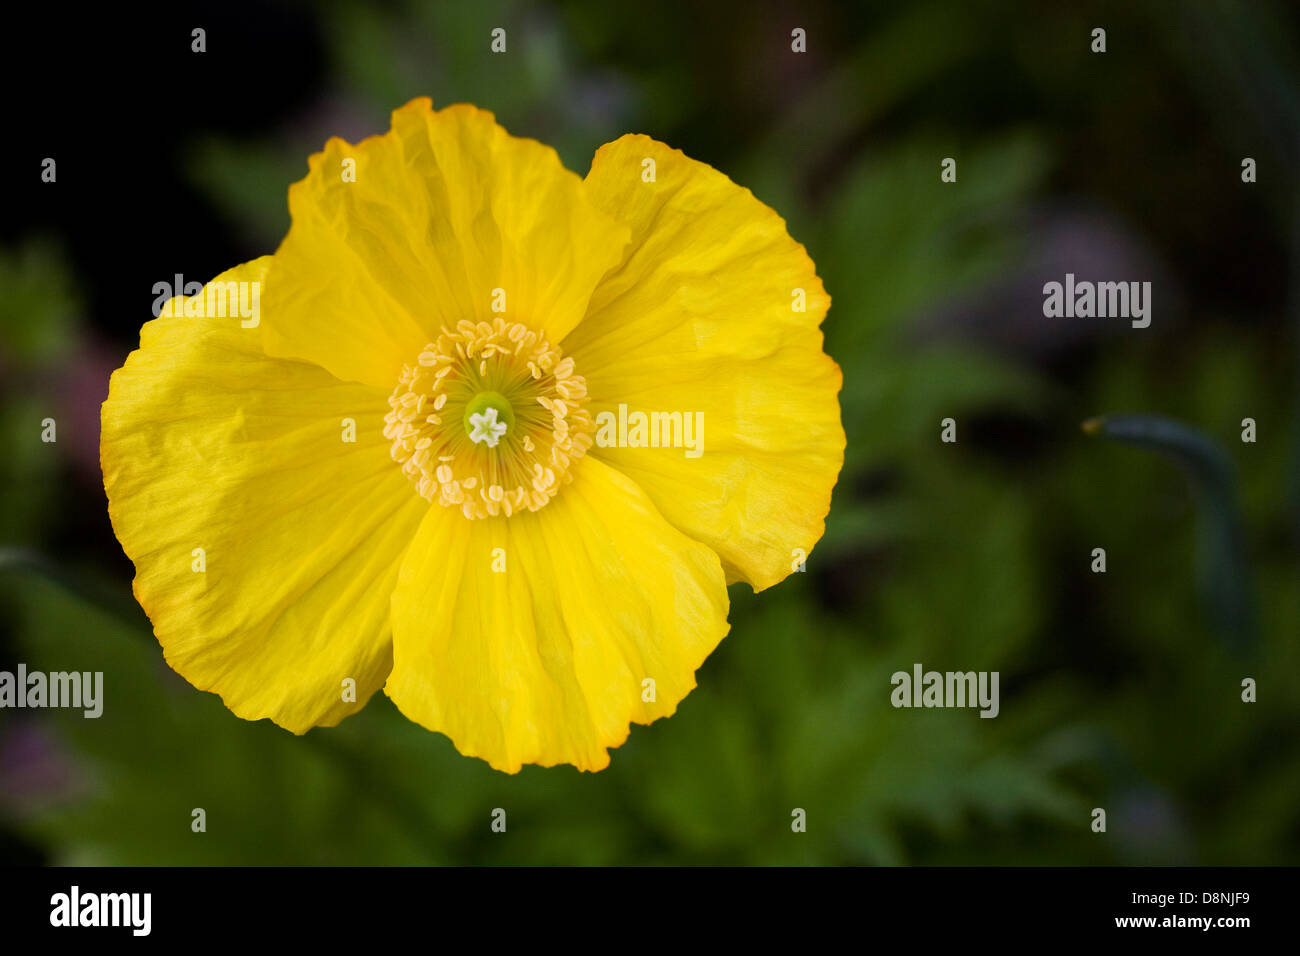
x: 39, y: 307
x: 38, y: 322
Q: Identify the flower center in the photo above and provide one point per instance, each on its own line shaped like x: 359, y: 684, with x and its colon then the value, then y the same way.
x: 489, y: 419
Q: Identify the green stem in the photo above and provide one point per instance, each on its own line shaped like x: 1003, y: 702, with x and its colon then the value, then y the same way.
x: 1224, y: 574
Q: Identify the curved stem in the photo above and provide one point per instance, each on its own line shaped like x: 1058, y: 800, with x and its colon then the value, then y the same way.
x: 1224, y: 574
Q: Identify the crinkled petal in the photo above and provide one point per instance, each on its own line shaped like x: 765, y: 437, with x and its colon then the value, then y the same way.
x: 538, y: 638
x: 446, y: 209
x: 700, y: 317
x: 209, y: 444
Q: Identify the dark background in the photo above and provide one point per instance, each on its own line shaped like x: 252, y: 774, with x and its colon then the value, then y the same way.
x: 1119, y: 690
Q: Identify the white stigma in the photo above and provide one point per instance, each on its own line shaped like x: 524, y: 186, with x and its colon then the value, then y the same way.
x: 486, y: 428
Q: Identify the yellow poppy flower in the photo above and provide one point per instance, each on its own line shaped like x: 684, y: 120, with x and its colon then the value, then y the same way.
x: 410, y: 466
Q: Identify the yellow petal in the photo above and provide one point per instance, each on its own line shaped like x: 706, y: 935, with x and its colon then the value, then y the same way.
x: 209, y: 444
x: 700, y: 317
x: 547, y: 659
x: 446, y: 209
